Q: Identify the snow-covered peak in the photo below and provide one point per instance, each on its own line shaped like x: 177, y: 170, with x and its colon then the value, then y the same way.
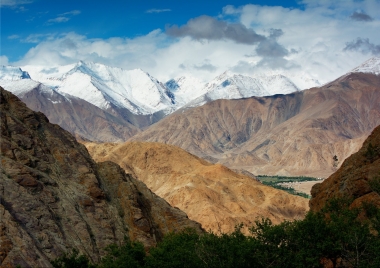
x: 370, y: 66
x: 185, y: 89
x: 12, y: 73
x: 106, y: 86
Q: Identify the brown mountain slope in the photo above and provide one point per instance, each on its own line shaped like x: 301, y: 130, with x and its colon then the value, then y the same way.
x: 77, y: 116
x: 54, y: 197
x: 283, y: 134
x: 358, y: 177
x: 211, y: 194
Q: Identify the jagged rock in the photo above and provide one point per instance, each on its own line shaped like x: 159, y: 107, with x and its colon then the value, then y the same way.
x: 54, y: 197
x: 358, y: 178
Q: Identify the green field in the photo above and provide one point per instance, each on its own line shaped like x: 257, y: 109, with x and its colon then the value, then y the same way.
x: 274, y: 181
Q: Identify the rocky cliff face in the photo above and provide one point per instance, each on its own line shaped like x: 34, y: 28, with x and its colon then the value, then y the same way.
x: 211, y: 194
x: 294, y: 134
x: 358, y: 177
x: 54, y: 197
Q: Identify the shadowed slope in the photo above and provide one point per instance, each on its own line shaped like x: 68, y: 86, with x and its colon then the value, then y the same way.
x: 54, y: 197
x: 358, y: 177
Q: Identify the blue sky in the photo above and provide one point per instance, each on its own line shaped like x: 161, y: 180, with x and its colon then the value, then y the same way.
x: 99, y: 18
x: 201, y: 38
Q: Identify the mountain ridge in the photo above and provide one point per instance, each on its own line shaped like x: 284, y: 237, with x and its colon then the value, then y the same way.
x: 263, y: 134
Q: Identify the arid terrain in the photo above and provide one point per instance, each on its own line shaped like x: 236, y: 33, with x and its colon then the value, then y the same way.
x: 358, y: 178
x: 210, y: 194
x: 294, y: 134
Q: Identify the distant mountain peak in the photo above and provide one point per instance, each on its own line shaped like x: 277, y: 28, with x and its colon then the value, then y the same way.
x: 370, y: 66
x: 12, y: 73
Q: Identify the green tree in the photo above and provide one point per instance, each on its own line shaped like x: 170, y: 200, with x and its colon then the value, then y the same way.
x: 72, y: 260
x: 129, y: 254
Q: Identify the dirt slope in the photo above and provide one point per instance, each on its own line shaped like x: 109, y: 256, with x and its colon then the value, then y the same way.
x: 211, y: 194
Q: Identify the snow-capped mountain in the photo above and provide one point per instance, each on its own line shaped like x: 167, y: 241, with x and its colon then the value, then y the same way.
x: 12, y: 73
x: 185, y: 89
x: 76, y: 115
x: 236, y: 86
x: 370, y: 66
x: 106, y: 87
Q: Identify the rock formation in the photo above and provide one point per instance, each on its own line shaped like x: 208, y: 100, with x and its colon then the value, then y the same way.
x: 294, y: 134
x: 358, y: 178
x: 54, y: 197
x: 212, y: 195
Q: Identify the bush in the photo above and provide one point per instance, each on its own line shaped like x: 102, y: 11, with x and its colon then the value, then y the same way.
x: 335, y: 236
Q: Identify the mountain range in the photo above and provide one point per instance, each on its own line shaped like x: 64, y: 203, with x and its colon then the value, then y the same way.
x: 264, y: 123
x: 293, y: 134
x: 137, y: 97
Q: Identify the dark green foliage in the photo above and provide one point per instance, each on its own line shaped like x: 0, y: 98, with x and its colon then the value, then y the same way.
x: 129, y: 254
x: 176, y: 250
x: 337, y: 235
x: 72, y: 261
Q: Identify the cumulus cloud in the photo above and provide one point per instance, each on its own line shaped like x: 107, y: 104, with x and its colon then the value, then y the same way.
x: 154, y: 10
x: 364, y: 46
x: 209, y: 28
x: 4, y: 60
x: 245, y: 39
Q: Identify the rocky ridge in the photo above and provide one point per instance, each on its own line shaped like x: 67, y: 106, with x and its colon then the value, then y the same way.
x: 54, y: 197
x: 358, y: 178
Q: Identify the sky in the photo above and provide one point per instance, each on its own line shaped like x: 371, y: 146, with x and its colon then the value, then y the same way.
x: 171, y: 38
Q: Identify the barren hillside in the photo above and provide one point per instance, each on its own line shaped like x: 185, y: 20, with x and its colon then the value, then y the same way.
x: 211, y: 194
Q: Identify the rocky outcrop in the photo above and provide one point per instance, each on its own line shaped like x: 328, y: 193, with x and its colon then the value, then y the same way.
x: 211, y: 194
x: 358, y: 178
x: 293, y: 134
x: 54, y: 197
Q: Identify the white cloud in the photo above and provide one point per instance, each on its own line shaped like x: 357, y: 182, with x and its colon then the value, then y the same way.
x: 71, y: 13
x: 14, y: 3
x: 155, y: 10
x: 13, y: 36
x: 4, y: 60
x: 312, y: 39
x: 58, y: 20
x: 37, y: 38
x: 64, y: 17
